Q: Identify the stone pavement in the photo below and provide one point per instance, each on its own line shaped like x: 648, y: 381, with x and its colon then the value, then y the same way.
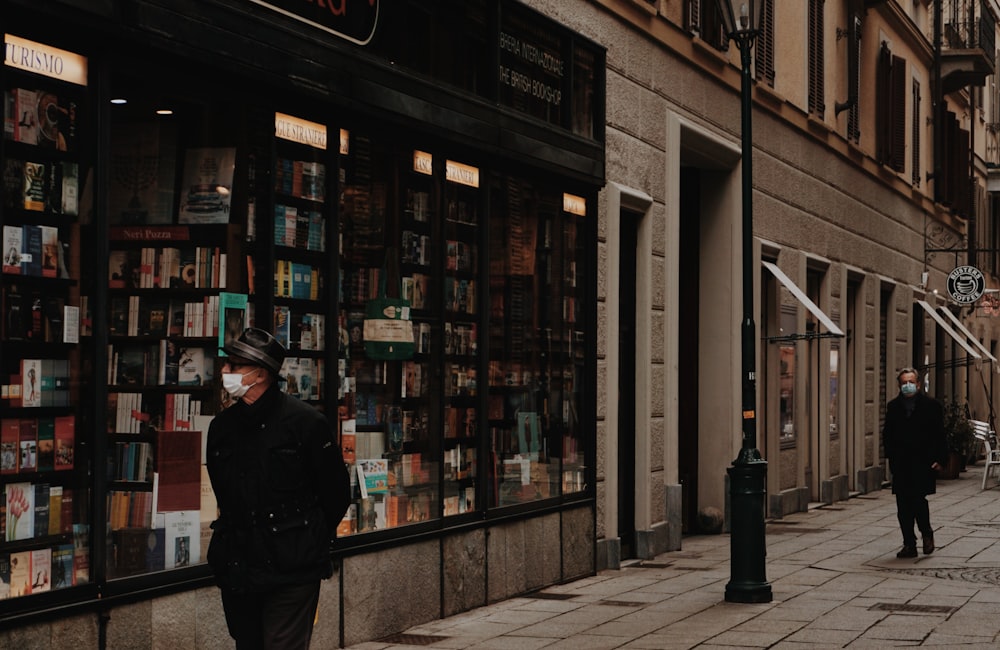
x: 834, y: 574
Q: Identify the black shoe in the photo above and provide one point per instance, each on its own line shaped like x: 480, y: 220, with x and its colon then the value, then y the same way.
x: 928, y: 543
x: 907, y: 551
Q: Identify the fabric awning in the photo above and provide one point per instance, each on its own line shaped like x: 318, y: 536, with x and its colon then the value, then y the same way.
x: 943, y: 324
x: 964, y: 330
x: 826, y: 321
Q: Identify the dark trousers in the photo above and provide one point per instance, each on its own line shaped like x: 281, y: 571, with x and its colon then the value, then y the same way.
x: 910, y: 509
x: 281, y: 618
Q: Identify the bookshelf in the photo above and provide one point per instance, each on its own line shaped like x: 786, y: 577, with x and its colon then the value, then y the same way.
x: 300, y: 268
x: 44, y: 490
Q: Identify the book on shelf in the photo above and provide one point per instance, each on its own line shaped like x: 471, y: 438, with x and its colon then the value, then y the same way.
x: 183, y: 538
x: 155, y: 548
x: 65, y: 441
x: 46, y: 444
x: 28, y: 442
x: 55, y: 509
x: 20, y: 573
x: 4, y: 575
x: 62, y: 566
x: 66, y: 516
x: 20, y: 511
x: 10, y: 434
x: 31, y: 250
x: 41, y: 522
x: 195, y: 368
x: 232, y: 317
x: 81, y: 554
x: 13, y: 242
x: 41, y: 570
x: 179, y: 474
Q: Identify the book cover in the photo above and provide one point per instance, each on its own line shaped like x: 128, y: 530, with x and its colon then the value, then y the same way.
x: 207, y: 183
x: 10, y: 434
x: 70, y: 189
x: 14, y: 315
x: 155, y: 555
x: 62, y: 566
x: 232, y: 317
x: 34, y: 186
x: 55, y: 509
x: 12, y: 244
x: 153, y: 317
x: 41, y: 522
x: 179, y: 470
x: 50, y: 251
x: 53, y: 313
x: 28, y: 443
x: 41, y: 570
x: 20, y: 511
x: 46, y: 444
x: 194, y: 367
x: 66, y: 516
x: 13, y: 183
x: 25, y: 110
x: 20, y: 573
x: 141, y: 184
x: 31, y: 250
x: 282, y: 325
x: 81, y: 553
x: 182, y: 539
x: 65, y: 441
x: 4, y: 575
x: 57, y: 122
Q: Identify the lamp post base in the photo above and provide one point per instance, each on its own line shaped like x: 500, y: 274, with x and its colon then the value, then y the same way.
x: 748, y: 579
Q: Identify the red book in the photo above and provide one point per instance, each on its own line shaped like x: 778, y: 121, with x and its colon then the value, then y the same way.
x: 65, y: 441
x: 10, y: 433
x: 66, y: 516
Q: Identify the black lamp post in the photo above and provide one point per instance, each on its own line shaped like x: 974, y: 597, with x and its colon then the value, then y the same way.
x: 748, y: 474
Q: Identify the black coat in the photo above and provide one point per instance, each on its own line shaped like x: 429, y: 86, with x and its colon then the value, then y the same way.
x: 282, y: 488
x: 913, y: 443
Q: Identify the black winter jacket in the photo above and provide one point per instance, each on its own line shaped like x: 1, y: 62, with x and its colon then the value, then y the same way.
x: 282, y: 488
x: 913, y: 443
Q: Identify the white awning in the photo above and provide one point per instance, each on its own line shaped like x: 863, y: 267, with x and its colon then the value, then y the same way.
x: 943, y: 324
x: 964, y: 330
x: 800, y: 295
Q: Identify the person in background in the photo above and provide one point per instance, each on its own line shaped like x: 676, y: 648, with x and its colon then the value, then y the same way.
x: 916, y: 448
x: 282, y: 487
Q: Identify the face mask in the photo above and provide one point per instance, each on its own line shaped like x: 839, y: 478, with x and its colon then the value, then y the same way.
x: 232, y: 383
x: 909, y: 388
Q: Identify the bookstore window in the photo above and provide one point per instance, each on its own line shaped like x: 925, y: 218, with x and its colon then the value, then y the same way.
x: 44, y: 461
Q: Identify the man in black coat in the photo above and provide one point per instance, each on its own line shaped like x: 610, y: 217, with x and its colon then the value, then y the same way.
x: 916, y: 447
x: 282, y: 487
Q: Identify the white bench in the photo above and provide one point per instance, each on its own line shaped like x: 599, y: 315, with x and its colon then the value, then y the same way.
x: 988, y: 437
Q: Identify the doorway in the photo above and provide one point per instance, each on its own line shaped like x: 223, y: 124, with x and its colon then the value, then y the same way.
x: 628, y: 254
x: 687, y: 332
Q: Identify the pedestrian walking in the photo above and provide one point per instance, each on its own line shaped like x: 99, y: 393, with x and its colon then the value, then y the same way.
x: 916, y: 448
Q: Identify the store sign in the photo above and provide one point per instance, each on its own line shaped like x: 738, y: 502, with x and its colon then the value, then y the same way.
x: 45, y: 60
x: 461, y: 174
x: 298, y: 130
x: 423, y: 162
x: 966, y: 284
x: 532, y: 68
x: 575, y: 205
x: 351, y: 20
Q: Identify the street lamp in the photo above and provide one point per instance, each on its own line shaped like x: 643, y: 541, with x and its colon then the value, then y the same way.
x: 748, y: 474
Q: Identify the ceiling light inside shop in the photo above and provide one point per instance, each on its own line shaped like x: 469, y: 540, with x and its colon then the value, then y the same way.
x: 164, y: 111
x: 119, y: 100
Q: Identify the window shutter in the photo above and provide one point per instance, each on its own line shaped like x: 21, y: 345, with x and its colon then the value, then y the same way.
x: 816, y: 81
x: 694, y: 15
x: 882, y: 103
x: 764, y: 54
x: 854, y: 64
x: 915, y: 170
x: 897, y: 160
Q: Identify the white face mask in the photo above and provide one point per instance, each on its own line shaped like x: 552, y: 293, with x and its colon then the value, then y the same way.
x: 232, y: 383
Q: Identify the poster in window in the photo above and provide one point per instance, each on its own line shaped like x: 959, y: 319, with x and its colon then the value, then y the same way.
x: 143, y: 159
x: 206, y: 190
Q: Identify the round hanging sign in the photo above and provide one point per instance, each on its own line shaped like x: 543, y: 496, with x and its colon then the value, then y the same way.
x: 966, y: 284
